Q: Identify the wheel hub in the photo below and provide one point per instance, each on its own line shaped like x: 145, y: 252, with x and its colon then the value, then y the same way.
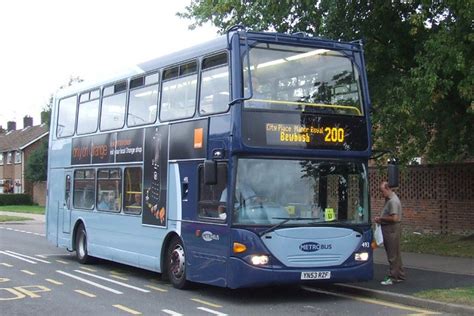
x: 177, y: 262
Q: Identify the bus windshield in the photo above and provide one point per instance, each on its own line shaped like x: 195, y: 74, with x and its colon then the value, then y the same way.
x: 302, y: 79
x: 302, y: 192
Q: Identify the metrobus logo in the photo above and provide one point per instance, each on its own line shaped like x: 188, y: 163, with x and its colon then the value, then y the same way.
x: 314, y: 246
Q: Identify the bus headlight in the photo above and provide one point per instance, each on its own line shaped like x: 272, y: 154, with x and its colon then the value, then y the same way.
x: 259, y: 260
x: 361, y: 256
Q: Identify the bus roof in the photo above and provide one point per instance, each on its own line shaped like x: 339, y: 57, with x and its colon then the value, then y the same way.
x: 216, y: 44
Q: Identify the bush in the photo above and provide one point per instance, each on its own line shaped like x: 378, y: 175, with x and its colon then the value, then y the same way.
x: 15, y: 199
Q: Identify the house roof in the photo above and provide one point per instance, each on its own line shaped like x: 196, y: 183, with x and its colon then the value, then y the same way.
x: 19, y: 139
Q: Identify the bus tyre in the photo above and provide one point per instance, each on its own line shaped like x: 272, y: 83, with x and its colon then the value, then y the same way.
x: 176, y: 264
x: 81, y: 246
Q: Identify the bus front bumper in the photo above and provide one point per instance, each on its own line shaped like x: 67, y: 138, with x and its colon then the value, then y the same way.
x: 241, y: 274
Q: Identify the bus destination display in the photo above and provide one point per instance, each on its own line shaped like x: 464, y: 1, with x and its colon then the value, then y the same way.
x: 266, y: 129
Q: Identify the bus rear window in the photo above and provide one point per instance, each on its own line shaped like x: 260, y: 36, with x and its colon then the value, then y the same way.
x: 66, y: 117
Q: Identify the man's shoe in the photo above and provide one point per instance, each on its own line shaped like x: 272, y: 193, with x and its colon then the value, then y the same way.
x: 387, y: 281
x: 399, y: 280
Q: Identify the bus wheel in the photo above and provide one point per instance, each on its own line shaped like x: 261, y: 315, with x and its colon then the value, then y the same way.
x: 176, y: 264
x: 81, y: 246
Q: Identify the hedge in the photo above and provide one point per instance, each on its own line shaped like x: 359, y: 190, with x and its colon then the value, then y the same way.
x: 15, y: 199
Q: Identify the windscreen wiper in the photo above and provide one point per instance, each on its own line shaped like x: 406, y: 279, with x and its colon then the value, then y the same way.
x: 284, y: 221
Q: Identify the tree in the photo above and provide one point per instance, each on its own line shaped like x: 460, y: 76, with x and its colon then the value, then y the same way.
x: 418, y: 57
x: 37, y: 164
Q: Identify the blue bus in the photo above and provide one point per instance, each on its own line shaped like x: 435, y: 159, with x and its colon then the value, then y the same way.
x: 240, y: 162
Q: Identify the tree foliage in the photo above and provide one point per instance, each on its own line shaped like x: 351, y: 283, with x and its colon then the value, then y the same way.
x: 418, y: 57
x: 37, y: 164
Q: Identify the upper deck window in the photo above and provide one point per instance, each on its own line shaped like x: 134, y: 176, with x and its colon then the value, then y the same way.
x: 66, y: 116
x: 143, y: 100
x: 303, y: 79
x: 214, y: 85
x: 88, y: 112
x: 178, y: 99
x: 112, y: 115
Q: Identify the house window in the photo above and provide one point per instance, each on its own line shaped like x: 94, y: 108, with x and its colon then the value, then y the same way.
x: 1, y: 159
x: 18, y: 157
x: 9, y: 158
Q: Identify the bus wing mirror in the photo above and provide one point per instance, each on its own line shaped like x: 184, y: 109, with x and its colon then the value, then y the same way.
x: 210, y: 172
x: 393, y: 174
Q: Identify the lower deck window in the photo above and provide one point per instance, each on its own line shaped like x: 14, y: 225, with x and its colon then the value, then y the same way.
x: 84, y: 189
x: 109, y: 188
x: 133, y: 193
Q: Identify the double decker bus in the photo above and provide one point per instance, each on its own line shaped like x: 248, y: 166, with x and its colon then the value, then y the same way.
x: 239, y: 162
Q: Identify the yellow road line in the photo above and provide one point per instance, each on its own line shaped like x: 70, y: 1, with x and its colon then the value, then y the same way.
x: 117, y: 272
x: 205, y: 302
x: 156, y: 288
x: 126, y: 309
x: 374, y: 301
x: 54, y: 281
x: 118, y: 277
x: 6, y: 265
x: 28, y: 272
x: 88, y: 269
x: 85, y: 293
x: 61, y: 261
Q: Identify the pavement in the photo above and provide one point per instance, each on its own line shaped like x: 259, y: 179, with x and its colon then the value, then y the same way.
x: 423, y: 272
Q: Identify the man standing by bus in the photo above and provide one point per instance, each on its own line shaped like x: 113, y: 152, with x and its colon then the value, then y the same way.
x: 391, y: 229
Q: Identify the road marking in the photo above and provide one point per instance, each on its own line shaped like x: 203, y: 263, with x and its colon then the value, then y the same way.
x: 170, y: 312
x: 4, y: 280
x: 20, y: 258
x: 61, y: 261
x: 156, y: 288
x: 117, y: 272
x: 28, y: 272
x: 126, y: 309
x: 118, y: 277
x: 100, y: 286
x: 113, y: 281
x: 88, y: 269
x: 25, y: 256
x: 41, y: 256
x: 6, y: 265
x: 22, y: 231
x: 373, y: 301
x: 54, y: 281
x: 85, y: 293
x: 212, y: 311
x: 206, y: 303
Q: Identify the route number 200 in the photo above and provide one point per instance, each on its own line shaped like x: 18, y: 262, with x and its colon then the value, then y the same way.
x: 334, y: 135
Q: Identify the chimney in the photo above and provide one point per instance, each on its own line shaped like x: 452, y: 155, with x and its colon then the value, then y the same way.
x: 27, y: 121
x: 11, y: 126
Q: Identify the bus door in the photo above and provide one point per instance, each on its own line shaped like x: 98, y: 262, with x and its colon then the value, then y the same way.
x: 207, y: 234
x: 65, y: 204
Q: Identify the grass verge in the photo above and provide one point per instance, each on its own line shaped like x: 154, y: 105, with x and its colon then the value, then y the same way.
x: 33, y: 209
x: 8, y: 218
x: 443, y: 245
x: 462, y: 295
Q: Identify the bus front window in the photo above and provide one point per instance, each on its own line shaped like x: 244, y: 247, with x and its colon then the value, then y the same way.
x: 303, y: 79
x: 305, y: 192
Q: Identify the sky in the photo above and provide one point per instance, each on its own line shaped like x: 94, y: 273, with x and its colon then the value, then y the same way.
x: 44, y: 43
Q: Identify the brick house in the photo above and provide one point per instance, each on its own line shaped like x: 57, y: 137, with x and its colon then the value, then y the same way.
x: 15, y: 148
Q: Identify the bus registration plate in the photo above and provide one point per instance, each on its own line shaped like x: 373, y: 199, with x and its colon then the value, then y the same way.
x: 319, y: 275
